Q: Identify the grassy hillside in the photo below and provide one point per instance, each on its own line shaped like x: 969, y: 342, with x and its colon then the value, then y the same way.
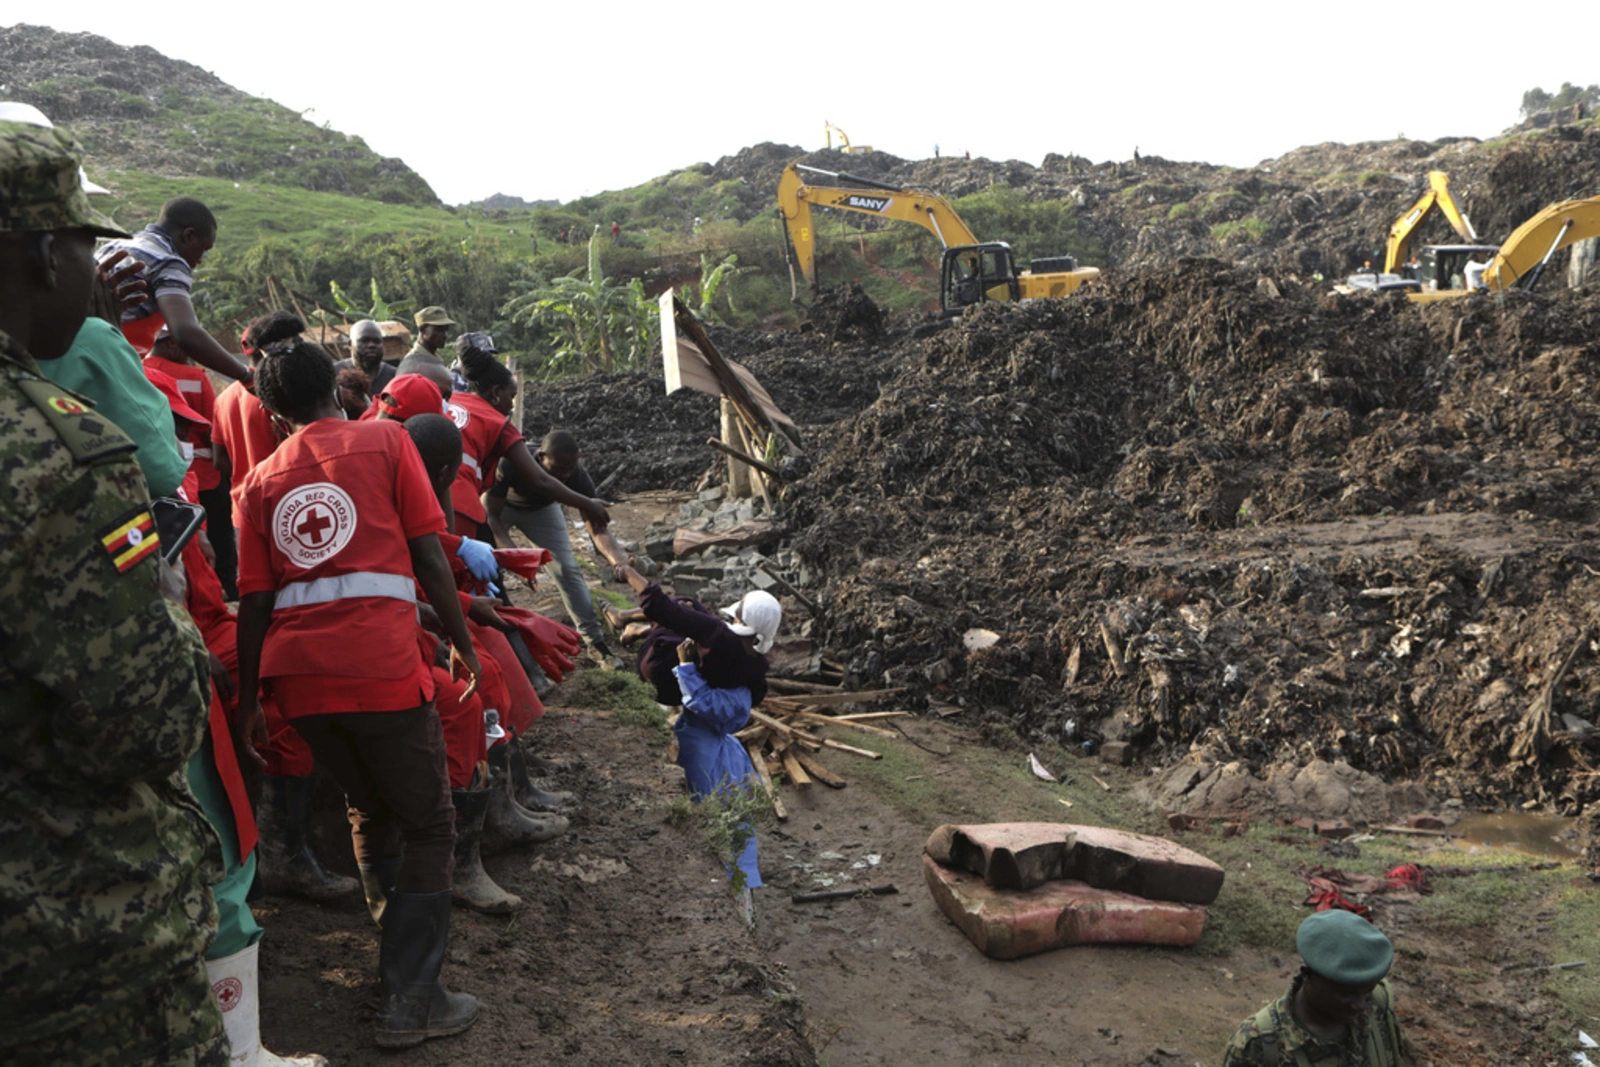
x: 135, y: 108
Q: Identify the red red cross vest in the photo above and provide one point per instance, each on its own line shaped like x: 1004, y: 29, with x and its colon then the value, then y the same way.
x: 324, y: 524
x: 485, y: 436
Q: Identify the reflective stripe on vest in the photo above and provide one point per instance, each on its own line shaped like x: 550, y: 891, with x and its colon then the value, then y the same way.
x: 472, y: 465
x: 346, y: 587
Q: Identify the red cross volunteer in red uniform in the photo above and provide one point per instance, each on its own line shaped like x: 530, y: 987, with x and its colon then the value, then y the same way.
x: 336, y: 531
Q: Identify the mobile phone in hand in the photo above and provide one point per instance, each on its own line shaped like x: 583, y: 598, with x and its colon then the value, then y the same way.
x: 177, y: 521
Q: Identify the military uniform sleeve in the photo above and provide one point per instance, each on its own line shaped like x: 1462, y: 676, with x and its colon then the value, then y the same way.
x: 1248, y: 1048
x: 110, y: 676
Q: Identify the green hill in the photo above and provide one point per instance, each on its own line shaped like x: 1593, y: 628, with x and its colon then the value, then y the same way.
x: 136, y: 106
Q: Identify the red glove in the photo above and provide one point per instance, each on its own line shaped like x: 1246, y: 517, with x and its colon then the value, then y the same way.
x: 551, y: 643
x: 523, y: 561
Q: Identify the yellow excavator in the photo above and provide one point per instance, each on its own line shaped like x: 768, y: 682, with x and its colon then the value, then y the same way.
x: 972, y: 272
x: 1447, y: 271
x: 829, y: 129
x: 1437, y: 198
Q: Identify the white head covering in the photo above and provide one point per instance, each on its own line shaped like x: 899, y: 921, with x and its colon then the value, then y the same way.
x: 758, y: 615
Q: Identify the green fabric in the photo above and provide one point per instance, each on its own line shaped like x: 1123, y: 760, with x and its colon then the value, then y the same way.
x: 103, y: 366
x: 237, y: 928
x: 1343, y: 947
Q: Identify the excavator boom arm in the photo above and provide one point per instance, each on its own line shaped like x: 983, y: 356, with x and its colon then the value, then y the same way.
x: 1437, y: 197
x: 796, y: 199
x: 1523, y: 255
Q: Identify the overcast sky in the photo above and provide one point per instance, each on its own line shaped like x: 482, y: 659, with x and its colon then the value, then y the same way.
x: 557, y: 100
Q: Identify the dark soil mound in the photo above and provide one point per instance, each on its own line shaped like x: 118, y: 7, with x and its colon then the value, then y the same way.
x: 627, y: 427
x: 1203, y: 509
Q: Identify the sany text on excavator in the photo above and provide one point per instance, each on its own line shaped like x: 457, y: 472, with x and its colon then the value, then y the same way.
x: 972, y: 272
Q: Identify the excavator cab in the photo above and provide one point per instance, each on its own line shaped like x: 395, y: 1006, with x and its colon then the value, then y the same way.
x: 1444, y: 267
x: 975, y: 273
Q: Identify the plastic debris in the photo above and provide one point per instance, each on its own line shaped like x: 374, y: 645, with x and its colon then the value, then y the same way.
x: 1039, y: 769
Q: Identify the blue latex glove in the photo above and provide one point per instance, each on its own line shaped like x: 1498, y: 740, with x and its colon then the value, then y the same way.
x: 479, y: 559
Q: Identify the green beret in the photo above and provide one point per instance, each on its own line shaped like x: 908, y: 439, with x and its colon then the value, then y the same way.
x: 1345, y: 948
x: 41, y: 187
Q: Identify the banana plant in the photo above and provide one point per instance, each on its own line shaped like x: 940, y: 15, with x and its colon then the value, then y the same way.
x: 594, y: 315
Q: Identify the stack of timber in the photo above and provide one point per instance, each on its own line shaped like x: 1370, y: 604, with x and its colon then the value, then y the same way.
x: 799, y: 721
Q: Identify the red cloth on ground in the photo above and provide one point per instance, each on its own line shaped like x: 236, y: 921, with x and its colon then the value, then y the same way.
x: 327, y: 521
x: 1325, y: 896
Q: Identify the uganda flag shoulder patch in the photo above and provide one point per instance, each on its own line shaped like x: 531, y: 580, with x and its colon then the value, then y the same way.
x: 131, y: 539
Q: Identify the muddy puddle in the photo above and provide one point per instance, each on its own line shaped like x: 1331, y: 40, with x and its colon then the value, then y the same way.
x: 1548, y: 836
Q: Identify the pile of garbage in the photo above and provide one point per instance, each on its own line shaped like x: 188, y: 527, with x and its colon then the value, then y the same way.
x: 1206, y: 510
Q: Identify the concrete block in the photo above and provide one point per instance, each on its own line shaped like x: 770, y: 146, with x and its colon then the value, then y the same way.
x: 761, y: 579
x: 710, y: 496
x: 687, y: 584
x: 1008, y: 924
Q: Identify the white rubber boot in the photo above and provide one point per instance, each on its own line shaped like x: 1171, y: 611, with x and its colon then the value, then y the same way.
x: 233, y: 984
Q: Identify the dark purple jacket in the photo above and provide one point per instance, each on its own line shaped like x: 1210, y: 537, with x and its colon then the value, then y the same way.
x: 725, y: 662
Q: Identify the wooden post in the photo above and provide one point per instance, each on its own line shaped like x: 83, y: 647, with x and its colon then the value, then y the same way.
x: 517, y: 404
x: 738, y: 472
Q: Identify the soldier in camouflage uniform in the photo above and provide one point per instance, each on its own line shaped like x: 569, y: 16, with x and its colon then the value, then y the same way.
x: 1338, y: 1012
x: 105, y: 859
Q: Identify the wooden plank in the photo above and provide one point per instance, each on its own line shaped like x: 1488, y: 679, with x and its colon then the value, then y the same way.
x: 766, y: 780
x: 865, y: 715
x: 826, y: 895
x: 786, y: 730
x: 811, y: 716
x: 765, y: 468
x: 797, y: 774
x: 811, y: 605
x: 863, y: 696
x: 829, y: 742
x: 796, y: 686
x: 819, y: 772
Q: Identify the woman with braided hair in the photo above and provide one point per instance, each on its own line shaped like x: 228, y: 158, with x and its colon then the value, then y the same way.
x: 337, y: 528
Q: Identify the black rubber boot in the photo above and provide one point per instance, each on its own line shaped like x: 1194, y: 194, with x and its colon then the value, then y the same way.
x: 473, y: 887
x: 507, y: 823
x: 288, y: 866
x: 378, y: 882
x: 416, y: 1005
x: 524, y: 790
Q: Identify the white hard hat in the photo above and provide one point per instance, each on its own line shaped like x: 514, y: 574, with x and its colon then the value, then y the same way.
x: 16, y: 111
x: 758, y: 615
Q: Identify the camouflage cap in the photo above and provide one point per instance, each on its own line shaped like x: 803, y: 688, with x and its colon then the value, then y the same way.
x: 39, y: 184
x: 434, y: 316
